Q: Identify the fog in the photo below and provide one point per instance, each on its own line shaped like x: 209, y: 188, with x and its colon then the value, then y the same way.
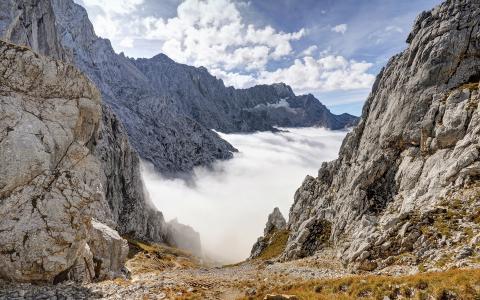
x: 229, y: 204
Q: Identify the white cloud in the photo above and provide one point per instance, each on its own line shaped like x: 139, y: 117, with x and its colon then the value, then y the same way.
x: 309, y: 51
x: 209, y: 33
x: 229, y: 205
x: 114, y: 7
x: 309, y: 75
x: 393, y: 28
x: 341, y: 28
x: 213, y: 34
x: 127, y: 42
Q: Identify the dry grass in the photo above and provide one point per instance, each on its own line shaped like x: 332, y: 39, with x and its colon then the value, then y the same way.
x: 460, y: 284
x: 472, y: 86
x: 146, y: 258
x: 278, y: 242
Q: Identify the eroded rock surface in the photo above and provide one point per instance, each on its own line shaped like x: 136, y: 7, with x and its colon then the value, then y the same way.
x: 414, y: 153
x: 49, y: 184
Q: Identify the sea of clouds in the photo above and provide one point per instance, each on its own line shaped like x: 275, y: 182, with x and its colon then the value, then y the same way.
x: 229, y: 203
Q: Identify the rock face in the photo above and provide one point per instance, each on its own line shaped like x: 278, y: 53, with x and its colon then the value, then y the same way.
x: 109, y: 250
x: 205, y: 99
x: 167, y: 108
x: 68, y: 178
x: 161, y: 134
x: 414, y: 153
x: 49, y: 187
x: 123, y: 187
x: 31, y: 23
x: 276, y: 223
x: 34, y: 24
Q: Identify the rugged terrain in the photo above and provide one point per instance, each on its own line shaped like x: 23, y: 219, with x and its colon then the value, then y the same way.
x: 406, y: 183
x: 69, y: 178
x: 34, y: 24
x: 397, y: 215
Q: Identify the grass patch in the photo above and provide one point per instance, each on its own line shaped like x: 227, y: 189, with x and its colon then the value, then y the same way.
x: 471, y: 86
x: 464, y: 284
x: 147, y: 257
x: 278, y: 242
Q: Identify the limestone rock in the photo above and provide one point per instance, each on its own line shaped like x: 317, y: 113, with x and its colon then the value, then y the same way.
x: 417, y: 142
x: 49, y: 185
x: 275, y: 222
x: 35, y: 24
x: 109, y: 251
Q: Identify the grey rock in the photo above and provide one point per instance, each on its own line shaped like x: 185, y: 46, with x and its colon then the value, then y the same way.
x: 464, y: 252
x: 417, y: 141
x: 36, y: 24
x: 49, y: 186
x: 109, y: 251
x: 276, y: 222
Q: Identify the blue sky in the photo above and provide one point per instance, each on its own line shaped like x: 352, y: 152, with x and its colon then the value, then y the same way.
x: 332, y: 49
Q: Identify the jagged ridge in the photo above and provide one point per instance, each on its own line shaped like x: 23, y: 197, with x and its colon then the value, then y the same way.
x: 414, y: 152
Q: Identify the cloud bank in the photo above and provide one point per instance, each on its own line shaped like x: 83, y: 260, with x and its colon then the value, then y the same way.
x: 229, y: 205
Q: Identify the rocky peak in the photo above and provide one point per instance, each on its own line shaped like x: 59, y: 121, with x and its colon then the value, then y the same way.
x: 275, y: 222
x: 415, y: 146
x: 273, y: 241
x: 283, y: 90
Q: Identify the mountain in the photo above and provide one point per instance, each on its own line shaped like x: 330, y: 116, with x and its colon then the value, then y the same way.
x: 168, y: 108
x: 205, y: 98
x: 162, y: 135
x: 405, y: 186
x: 70, y: 180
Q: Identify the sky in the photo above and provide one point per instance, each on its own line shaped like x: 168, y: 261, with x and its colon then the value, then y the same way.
x: 229, y: 204
x: 332, y: 49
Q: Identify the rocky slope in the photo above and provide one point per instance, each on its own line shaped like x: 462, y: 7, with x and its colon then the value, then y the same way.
x: 406, y: 183
x: 69, y: 178
x: 61, y: 144
x: 50, y: 189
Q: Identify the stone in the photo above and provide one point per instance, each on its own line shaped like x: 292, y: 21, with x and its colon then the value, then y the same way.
x: 109, y: 251
x: 416, y: 143
x: 464, y: 252
x: 275, y: 222
x: 128, y: 208
x: 49, y: 183
x: 280, y: 297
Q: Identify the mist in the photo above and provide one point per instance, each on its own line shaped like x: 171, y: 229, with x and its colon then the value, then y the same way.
x: 229, y: 203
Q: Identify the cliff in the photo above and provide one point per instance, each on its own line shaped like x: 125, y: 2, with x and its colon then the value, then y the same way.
x: 407, y: 177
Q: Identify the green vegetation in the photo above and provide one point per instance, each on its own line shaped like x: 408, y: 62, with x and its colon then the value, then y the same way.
x: 278, y: 242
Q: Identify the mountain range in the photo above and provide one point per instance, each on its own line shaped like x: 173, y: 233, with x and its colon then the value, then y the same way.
x: 168, y: 109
